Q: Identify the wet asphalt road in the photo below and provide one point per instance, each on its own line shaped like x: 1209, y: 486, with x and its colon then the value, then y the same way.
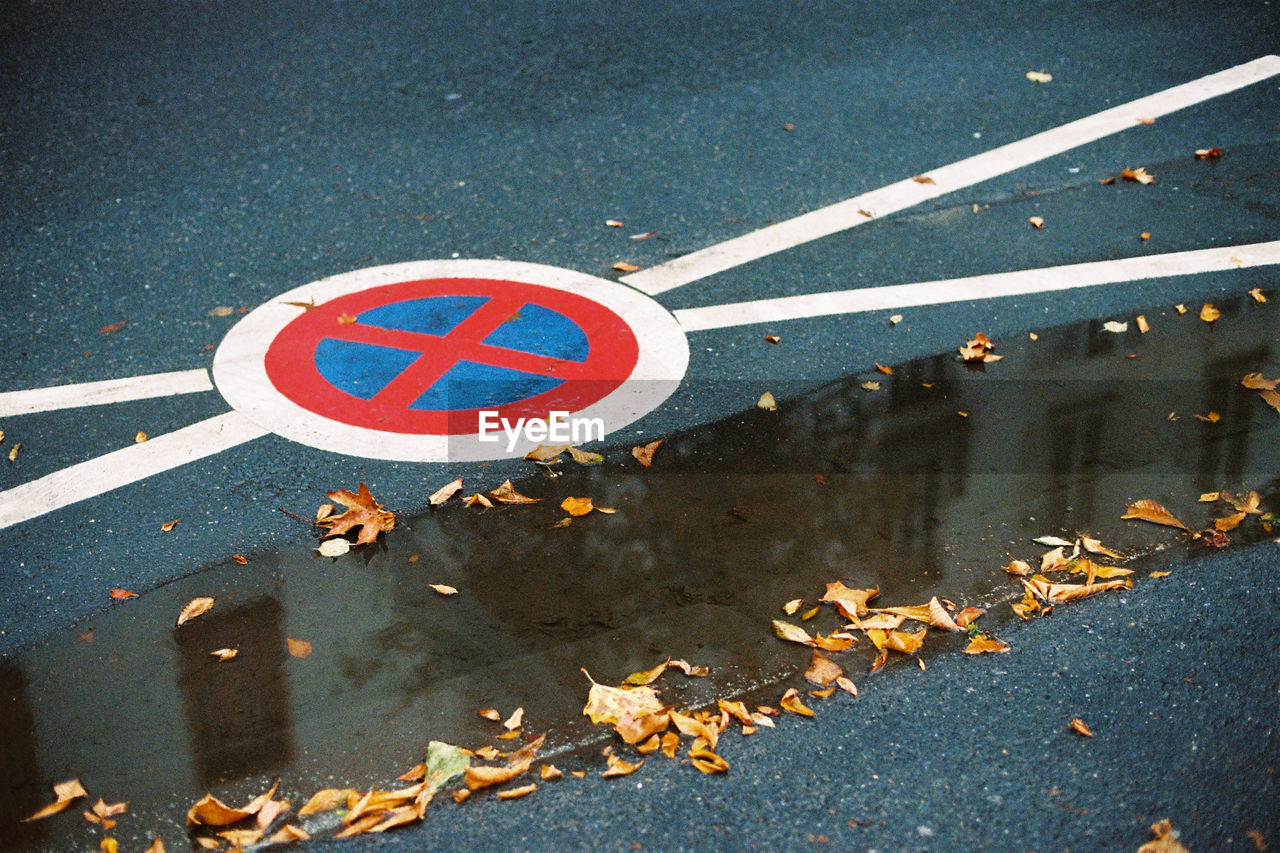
x: 162, y: 160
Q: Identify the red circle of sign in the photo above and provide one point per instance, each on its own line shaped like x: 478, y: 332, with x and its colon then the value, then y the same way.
x: 291, y: 366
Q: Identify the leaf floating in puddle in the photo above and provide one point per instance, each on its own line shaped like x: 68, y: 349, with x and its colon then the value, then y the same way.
x: 791, y: 702
x: 507, y: 494
x: 223, y: 655
x: 577, y: 506
x: 1149, y: 510
x: 979, y: 350
x: 792, y: 606
x: 210, y: 811
x: 1018, y: 567
x: 648, y: 676
x: 195, y: 607
x: 65, y: 793
x: 443, y: 588
x: 1258, y: 382
x: 644, y: 453
x: 362, y: 512
x: 791, y: 633
x: 690, y: 670
x: 333, y: 548
x: 1271, y: 398
x: 822, y: 669
x: 609, y: 704
x: 298, y: 648
x: 852, y: 603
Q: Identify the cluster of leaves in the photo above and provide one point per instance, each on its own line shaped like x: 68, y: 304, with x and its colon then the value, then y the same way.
x: 101, y: 814
x: 1040, y: 594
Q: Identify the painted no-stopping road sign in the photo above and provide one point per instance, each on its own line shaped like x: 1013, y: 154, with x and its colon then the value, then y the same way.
x: 398, y: 362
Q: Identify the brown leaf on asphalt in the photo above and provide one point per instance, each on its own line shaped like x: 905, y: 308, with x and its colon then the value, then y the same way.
x: 65, y: 793
x: 516, y: 793
x: 362, y: 512
x: 1093, y: 546
x: 1037, y: 222
x: 648, y: 676
x: 670, y: 744
x: 1141, y: 320
x: 1230, y: 522
x: 1208, y: 153
x: 1059, y: 593
x: 549, y: 772
x: 650, y: 746
x: 979, y: 349
x: 477, y: 498
x: 1092, y: 570
x: 707, y: 761
x: 287, y: 835
x: 887, y: 371
x: 690, y: 670
x: 1271, y: 398
x: 767, y: 402
x: 545, y: 452
x: 445, y: 492
x: 644, y: 453
x: 623, y: 266
x: 923, y: 179
x: 1258, y: 382
x: 791, y: 702
x: 1149, y: 510
x: 693, y: 727
x: 847, y: 686
x: 298, y: 648
x: 609, y: 704
x: 210, y: 811
x: 490, y: 714
x: 791, y: 633
x: 1166, y: 840
x: 102, y: 809
x: 13, y: 452
x: 329, y: 799
x: 1210, y: 418
x: 634, y: 729
x: 822, y: 669
x: 121, y: 594
x: 169, y: 525
x: 1258, y: 295
x: 737, y: 710
x: 208, y: 843
x: 195, y: 607
x: 981, y: 644
x: 585, y: 457
x: 1139, y: 174
x: 1209, y: 314
x: 1018, y: 567
x: 109, y: 845
x: 486, y: 776
x: 852, y: 603
x: 618, y: 767
x: 967, y: 616
x: 443, y: 588
x: 507, y: 494
x: 1249, y: 502
x: 414, y: 774
x: 870, y: 386
x: 1080, y: 727
x: 112, y: 328
x: 838, y: 642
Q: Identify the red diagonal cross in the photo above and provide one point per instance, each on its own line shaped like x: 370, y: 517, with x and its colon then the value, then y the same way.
x: 439, y: 353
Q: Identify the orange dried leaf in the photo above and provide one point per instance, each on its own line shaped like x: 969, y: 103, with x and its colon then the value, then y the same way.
x: 577, y: 506
x: 881, y: 622
x: 1208, y: 153
x: 585, y: 457
x: 618, y: 767
x: 822, y: 669
x: 1141, y: 319
x: 1166, y: 840
x: 1058, y: 593
x: 513, y: 722
x: 461, y: 795
x: 477, y: 498
x: 670, y: 743
x: 834, y: 643
x: 924, y: 179
x: 737, y: 710
x: 791, y: 702
x: 792, y: 606
x: 887, y: 371
x: 1258, y: 382
x: 210, y: 811
x: 445, y: 492
x: 981, y: 644
x: 1037, y: 222
x: 693, y: 727
x: 507, y: 494
x: 298, y: 648
x: 414, y: 774
x: 1079, y: 727
x: 852, y: 603
x: 157, y: 846
x: 767, y: 402
x: 549, y: 772
x: 644, y: 453
x: 847, y: 686
x: 1271, y: 398
x: 326, y: 800
x: 516, y: 793
x: 690, y: 670
x: 1258, y: 295
x: 490, y: 714
x: 244, y: 561
x: 650, y: 746
x: 1018, y: 567
x: 1149, y: 510
x: 623, y: 266
x: 609, y: 704
x: 362, y: 512
x: 791, y: 633
x: 707, y: 761
x: 120, y: 594
x: 1209, y: 314
x: 169, y: 525
x: 545, y: 452
x: 287, y: 835
x: 484, y: 777
x: 195, y: 607
x: 967, y: 616
x: 65, y: 793
x: 1230, y: 522
x: 1139, y: 174
x: 1093, y: 546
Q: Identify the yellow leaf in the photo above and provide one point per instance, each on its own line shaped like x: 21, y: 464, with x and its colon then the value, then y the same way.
x: 545, y: 452
x: 1143, y: 325
x: 443, y: 588
x: 326, y: 800
x: 609, y: 704
x: 477, y: 498
x: 1160, y: 574
x: 1080, y: 727
x: 1149, y: 510
x: 507, y: 494
x: 1093, y: 546
x: 169, y: 525
x: 1166, y: 840
x: 298, y: 648
x: 1139, y: 174
x: 647, y: 676
x: 139, y: 437
x: 445, y: 492
x: 577, y: 506
x: 549, y: 772
x: 1037, y: 222
x: 737, y: 710
x: 618, y: 767
x: 1258, y: 295
x: 707, y: 761
x: 693, y: 727
x: 585, y: 457
x: 791, y: 702
x: 109, y: 845
x: 1209, y: 314
x: 981, y: 644
x: 644, y: 453
x: 333, y: 548
x: 515, y: 793
x: 880, y: 622
x: 513, y: 722
x: 650, y: 746
x: 847, y: 686
x: 791, y: 633
x: 792, y: 606
x: 967, y: 616
x: 834, y: 642
x: 623, y: 266
x: 195, y: 607
x: 1058, y: 593
x: 1018, y: 567
x: 210, y: 811
x: 1039, y: 76
x: 224, y: 655
x: 65, y: 793
x: 767, y: 402
x: 1258, y: 382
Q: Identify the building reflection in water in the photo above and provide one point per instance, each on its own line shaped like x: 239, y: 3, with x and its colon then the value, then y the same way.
x: 22, y: 789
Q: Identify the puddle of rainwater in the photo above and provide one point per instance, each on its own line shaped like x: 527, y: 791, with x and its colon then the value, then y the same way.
x: 890, y: 487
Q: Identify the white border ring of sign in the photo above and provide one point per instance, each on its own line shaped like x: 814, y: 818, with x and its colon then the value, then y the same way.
x: 239, y: 368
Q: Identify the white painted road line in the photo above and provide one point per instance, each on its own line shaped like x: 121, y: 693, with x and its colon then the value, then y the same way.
x: 107, y: 391
x: 965, y: 173
x: 991, y: 286
x: 122, y: 467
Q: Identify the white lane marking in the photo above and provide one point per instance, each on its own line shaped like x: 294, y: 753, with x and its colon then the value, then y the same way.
x: 978, y: 287
x: 122, y: 467
x: 106, y: 391
x: 964, y: 173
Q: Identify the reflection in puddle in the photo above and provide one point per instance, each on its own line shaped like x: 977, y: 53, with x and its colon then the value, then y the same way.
x: 890, y: 487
